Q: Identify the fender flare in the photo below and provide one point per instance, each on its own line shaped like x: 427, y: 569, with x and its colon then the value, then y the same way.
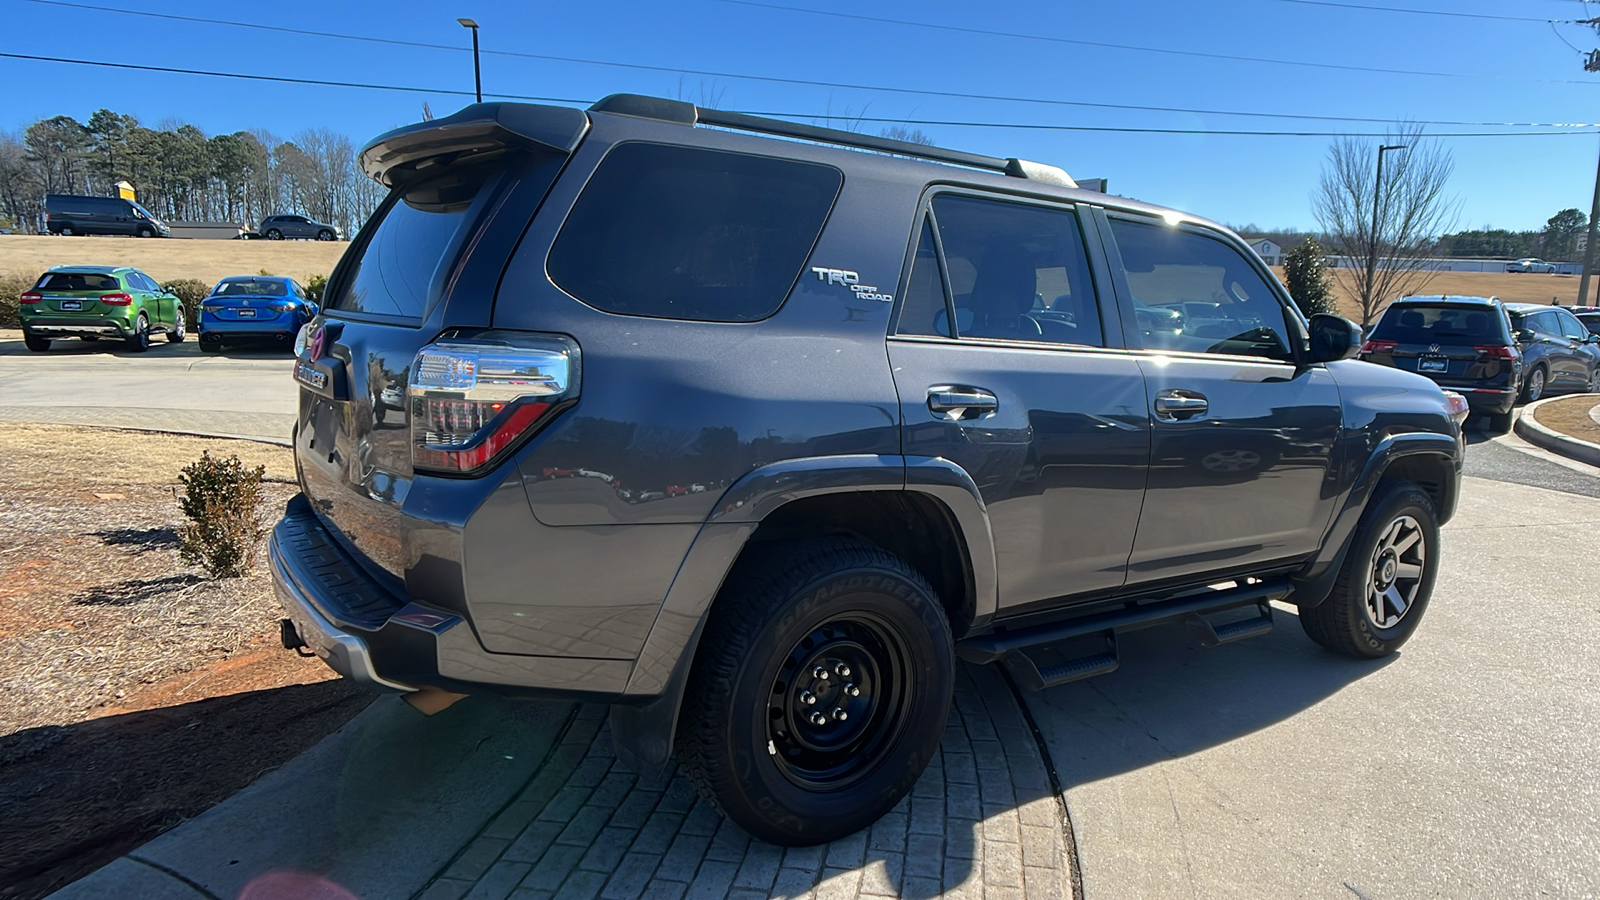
x: 644, y: 724
x: 1314, y: 583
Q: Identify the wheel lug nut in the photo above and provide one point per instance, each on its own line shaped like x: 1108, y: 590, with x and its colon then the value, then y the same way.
x: 842, y: 670
x: 819, y: 673
x: 839, y: 713
x: 808, y: 698
x: 852, y: 690
x: 818, y: 719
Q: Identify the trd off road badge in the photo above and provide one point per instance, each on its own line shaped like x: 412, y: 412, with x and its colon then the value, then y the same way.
x: 851, y: 280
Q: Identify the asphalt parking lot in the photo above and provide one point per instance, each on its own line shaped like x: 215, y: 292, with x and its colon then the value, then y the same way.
x: 1461, y: 767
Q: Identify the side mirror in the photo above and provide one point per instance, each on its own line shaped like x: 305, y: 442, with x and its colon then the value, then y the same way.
x: 1526, y: 336
x: 1333, y: 338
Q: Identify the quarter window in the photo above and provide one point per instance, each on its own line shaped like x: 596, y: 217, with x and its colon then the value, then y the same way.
x: 1196, y: 293
x: 1014, y: 272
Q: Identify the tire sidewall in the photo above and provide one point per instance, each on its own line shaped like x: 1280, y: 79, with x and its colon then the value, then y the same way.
x: 893, y: 601
x: 1410, y: 501
x: 139, y: 341
x: 1529, y: 393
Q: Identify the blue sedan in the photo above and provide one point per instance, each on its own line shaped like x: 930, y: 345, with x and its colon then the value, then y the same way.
x: 254, y: 309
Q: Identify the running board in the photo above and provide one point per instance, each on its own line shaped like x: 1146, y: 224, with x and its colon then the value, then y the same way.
x: 1020, y: 650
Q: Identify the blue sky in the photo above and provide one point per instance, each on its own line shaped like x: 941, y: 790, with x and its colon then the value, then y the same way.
x: 1505, y: 71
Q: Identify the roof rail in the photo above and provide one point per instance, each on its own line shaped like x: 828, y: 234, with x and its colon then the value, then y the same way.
x: 679, y: 112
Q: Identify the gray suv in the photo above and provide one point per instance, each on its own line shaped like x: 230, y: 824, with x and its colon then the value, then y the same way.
x: 752, y: 430
x: 277, y: 228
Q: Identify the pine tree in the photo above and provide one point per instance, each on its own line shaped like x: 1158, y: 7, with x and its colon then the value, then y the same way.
x: 1308, y: 281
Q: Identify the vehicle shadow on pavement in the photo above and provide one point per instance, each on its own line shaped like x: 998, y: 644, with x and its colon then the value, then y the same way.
x: 1172, y: 697
x: 78, y: 796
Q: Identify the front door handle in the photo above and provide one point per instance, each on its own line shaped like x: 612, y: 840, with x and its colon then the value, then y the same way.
x: 1176, y: 405
x: 956, y: 402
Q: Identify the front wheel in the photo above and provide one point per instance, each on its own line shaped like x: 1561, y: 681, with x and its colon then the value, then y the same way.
x: 177, y: 334
x: 324, y: 235
x: 274, y: 234
x: 146, y: 233
x: 1386, y: 579
x: 139, y: 340
x: 820, y: 691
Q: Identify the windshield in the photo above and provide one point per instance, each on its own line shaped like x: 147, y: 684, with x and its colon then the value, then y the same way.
x: 252, y: 287
x: 1441, y: 324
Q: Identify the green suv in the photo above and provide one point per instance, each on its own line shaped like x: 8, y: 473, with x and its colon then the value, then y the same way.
x: 92, y: 302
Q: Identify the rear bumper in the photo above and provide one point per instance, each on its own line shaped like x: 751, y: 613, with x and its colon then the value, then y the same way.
x: 271, y: 329
x: 1488, y: 400
x: 48, y: 326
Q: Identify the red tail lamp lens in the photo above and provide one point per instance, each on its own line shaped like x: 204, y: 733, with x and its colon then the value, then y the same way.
x: 118, y: 299
x: 30, y: 298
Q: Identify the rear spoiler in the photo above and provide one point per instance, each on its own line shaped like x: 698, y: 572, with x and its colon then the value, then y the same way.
x: 402, y: 154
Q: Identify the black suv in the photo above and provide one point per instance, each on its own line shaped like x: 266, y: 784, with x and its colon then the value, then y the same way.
x: 752, y: 439
x: 1466, y: 344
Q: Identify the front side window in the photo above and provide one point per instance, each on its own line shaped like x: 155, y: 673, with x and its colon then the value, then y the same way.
x: 688, y: 233
x: 1014, y: 271
x: 1196, y: 293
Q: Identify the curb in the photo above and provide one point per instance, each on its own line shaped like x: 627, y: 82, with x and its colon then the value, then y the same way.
x: 377, y: 809
x: 1530, y: 430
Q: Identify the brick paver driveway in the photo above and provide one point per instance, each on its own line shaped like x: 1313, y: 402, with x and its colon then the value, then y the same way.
x: 982, y: 822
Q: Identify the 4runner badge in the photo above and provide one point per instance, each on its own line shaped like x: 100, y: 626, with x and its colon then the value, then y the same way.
x: 851, y: 280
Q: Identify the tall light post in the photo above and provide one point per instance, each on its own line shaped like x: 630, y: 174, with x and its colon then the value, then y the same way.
x: 477, y: 74
x: 1372, y: 245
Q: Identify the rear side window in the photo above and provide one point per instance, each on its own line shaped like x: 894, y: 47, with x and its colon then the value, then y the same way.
x: 1442, y: 324
x: 686, y: 233
x: 78, y: 281
x: 410, y: 244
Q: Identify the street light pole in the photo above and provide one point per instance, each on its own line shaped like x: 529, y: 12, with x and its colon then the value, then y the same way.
x: 1372, y: 243
x: 477, y: 74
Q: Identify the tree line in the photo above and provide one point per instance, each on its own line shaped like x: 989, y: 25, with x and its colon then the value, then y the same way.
x: 180, y: 173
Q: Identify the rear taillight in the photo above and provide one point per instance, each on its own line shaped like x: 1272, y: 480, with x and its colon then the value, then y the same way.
x: 1497, y: 351
x: 118, y: 299
x: 30, y: 297
x: 472, y: 401
x: 1377, y: 346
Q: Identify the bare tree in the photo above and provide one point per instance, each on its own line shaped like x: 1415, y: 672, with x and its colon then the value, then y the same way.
x: 1386, y: 227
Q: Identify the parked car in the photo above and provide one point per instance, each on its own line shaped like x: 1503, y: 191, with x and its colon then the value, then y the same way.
x: 860, y: 341
x: 1466, y: 344
x: 92, y: 302
x: 68, y: 214
x: 254, y: 309
x: 277, y: 228
x: 1558, y: 352
x: 1590, y: 320
x: 1530, y: 264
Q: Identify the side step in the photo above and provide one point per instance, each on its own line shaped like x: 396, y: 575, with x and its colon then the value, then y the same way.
x: 1027, y: 653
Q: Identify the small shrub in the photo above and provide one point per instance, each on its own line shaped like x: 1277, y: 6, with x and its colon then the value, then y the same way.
x: 11, y: 288
x: 1308, y: 281
x: 189, y: 292
x: 220, y: 498
x: 315, y: 285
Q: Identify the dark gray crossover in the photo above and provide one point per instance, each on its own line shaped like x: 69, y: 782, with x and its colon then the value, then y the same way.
x: 753, y: 439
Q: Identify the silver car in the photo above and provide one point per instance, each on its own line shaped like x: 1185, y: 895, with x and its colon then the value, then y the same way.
x: 1530, y: 264
x: 277, y: 228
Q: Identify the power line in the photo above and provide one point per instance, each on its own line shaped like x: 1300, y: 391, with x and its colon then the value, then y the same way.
x: 1024, y: 126
x: 920, y: 92
x: 1426, y: 12
x: 1158, y: 50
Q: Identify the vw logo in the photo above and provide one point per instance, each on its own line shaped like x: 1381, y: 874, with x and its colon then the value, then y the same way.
x: 1433, y: 348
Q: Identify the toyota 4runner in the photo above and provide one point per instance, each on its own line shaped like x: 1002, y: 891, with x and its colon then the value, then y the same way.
x: 751, y: 429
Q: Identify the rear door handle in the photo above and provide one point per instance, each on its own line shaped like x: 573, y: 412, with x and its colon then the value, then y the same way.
x: 1174, y: 405
x: 956, y: 402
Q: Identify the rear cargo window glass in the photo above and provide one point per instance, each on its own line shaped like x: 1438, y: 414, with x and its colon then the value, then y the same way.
x: 253, y: 287
x: 78, y: 281
x: 415, y: 236
x: 685, y: 233
x: 1443, y: 324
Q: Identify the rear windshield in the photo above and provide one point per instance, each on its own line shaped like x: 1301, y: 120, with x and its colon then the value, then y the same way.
x: 1590, y: 321
x: 252, y: 288
x: 1441, y: 324
x: 410, y: 243
x: 686, y: 233
x: 78, y: 281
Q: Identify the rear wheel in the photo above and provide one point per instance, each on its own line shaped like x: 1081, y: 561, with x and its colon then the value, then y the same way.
x: 139, y: 340
x: 1498, y: 423
x: 324, y: 235
x: 177, y: 334
x: 274, y: 234
x: 66, y: 231
x: 1386, y: 580
x: 820, y: 691
x: 36, y: 344
x: 1594, y: 381
x: 211, y: 348
x: 1533, y: 388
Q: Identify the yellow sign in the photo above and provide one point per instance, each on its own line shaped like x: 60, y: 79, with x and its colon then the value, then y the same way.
x: 125, y: 190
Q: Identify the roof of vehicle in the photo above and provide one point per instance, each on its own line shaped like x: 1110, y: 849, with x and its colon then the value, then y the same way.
x: 1449, y: 298
x: 89, y: 270
x: 256, y: 278
x: 1530, y: 307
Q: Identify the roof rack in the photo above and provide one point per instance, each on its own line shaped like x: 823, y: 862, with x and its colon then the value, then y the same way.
x: 683, y: 113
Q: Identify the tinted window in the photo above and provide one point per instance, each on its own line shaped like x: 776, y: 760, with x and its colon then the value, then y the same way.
x: 1569, y: 325
x: 78, y: 281
x: 1415, y: 323
x: 143, y: 282
x: 254, y: 287
x: 416, y: 234
x: 1016, y: 272
x: 924, y: 309
x: 1197, y: 293
x: 1591, y: 321
x: 685, y: 233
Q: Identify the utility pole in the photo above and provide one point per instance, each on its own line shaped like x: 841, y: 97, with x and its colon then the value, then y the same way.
x: 1372, y: 244
x: 1588, y: 249
x: 477, y: 74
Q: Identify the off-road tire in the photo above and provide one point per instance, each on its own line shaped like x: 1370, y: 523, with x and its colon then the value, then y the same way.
x: 1343, y: 623
x: 139, y: 340
x: 178, y: 332
x: 36, y: 344
x: 779, y: 609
